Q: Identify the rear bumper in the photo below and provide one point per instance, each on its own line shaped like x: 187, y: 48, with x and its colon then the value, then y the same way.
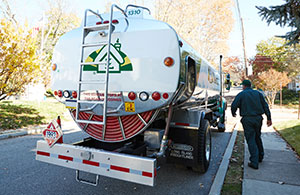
x: 120, y: 166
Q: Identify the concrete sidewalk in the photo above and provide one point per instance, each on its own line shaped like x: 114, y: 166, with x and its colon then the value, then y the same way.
x: 279, y: 173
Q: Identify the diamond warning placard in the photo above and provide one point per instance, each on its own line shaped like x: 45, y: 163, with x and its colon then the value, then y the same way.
x: 52, y: 133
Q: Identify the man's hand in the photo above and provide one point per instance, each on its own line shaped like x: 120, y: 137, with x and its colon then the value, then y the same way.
x: 269, y: 123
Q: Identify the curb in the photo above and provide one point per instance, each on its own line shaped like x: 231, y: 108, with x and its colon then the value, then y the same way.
x: 217, y: 185
x: 21, y: 132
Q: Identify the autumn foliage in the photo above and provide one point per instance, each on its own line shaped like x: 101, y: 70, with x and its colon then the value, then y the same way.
x: 205, y: 25
x: 234, y: 66
x: 19, y: 64
x: 267, y: 78
x: 271, y: 82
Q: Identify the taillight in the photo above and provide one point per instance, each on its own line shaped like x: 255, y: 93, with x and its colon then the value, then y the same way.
x: 66, y: 94
x: 54, y: 67
x: 131, y: 96
x: 55, y: 93
x: 115, y: 21
x: 106, y: 22
x: 168, y: 61
x: 60, y: 93
x: 74, y: 94
x: 143, y: 96
x: 165, y: 96
x: 156, y: 96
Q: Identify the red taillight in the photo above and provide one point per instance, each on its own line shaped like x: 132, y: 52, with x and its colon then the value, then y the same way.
x: 74, y: 94
x: 168, y: 61
x: 106, y: 22
x: 60, y: 93
x: 55, y: 93
x: 156, y: 96
x: 115, y: 21
x: 165, y: 96
x: 132, y: 95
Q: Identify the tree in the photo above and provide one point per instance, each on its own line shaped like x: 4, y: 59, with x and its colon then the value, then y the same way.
x: 19, y: 64
x: 58, y: 21
x: 287, y: 14
x: 205, y: 24
x: 271, y: 82
x: 233, y: 65
x: 285, y: 57
x: 7, y: 12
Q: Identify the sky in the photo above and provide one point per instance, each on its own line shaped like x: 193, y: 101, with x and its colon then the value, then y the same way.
x: 255, y: 29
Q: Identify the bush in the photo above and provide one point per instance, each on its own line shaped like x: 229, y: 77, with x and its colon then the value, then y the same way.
x: 288, y: 97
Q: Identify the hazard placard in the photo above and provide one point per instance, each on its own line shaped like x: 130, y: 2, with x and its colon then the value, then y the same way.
x: 52, y: 133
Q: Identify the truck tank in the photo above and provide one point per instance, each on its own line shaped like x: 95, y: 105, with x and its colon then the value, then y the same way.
x: 150, y: 67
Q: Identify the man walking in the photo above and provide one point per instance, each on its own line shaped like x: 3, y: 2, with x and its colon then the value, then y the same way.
x: 252, y: 105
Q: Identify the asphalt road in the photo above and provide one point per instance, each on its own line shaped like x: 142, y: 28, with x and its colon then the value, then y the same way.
x: 20, y: 173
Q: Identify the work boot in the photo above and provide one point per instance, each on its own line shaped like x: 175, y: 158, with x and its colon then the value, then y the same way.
x: 252, y: 165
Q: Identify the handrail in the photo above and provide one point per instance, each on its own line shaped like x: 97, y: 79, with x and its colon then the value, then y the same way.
x: 95, y: 13
x: 114, y: 5
x: 137, y: 6
x: 123, y: 12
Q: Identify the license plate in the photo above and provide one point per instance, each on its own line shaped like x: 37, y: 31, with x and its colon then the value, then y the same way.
x: 129, y: 107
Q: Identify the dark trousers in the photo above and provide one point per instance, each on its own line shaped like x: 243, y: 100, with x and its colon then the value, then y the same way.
x: 252, y: 130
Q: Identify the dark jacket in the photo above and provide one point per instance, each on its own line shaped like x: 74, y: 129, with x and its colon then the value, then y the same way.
x: 251, y: 103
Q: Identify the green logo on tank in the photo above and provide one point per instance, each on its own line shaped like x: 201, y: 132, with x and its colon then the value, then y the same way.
x: 118, y: 60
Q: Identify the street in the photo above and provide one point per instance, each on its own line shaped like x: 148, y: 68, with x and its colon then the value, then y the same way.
x: 20, y: 173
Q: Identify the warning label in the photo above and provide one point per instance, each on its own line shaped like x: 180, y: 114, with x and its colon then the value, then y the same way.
x: 95, y: 96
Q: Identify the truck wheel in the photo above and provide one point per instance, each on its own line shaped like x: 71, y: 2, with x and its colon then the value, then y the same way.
x: 204, y: 147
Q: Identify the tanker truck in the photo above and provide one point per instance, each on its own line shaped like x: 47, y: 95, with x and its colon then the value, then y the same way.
x: 139, y: 92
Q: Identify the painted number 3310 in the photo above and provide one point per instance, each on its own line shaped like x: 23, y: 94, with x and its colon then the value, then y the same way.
x: 134, y: 12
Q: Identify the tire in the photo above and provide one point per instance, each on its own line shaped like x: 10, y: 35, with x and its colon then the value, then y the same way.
x: 204, y: 147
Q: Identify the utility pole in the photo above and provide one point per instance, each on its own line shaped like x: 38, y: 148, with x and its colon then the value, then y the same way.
x: 280, y: 94
x: 243, y: 38
x: 299, y: 107
x: 43, y: 31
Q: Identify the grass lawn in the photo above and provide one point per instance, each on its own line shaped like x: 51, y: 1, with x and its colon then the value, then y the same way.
x: 290, y: 131
x: 19, y: 113
x: 234, y: 176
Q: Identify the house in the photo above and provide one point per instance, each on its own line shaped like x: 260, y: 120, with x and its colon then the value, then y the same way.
x: 295, y: 84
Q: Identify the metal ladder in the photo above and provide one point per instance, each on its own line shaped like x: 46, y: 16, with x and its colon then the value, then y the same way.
x: 86, y: 31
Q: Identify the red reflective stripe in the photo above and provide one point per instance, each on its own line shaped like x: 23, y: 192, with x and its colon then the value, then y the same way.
x: 65, y: 157
x: 146, y: 174
x: 119, y: 168
x: 182, y: 124
x: 155, y: 172
x: 88, y: 162
x: 42, y: 153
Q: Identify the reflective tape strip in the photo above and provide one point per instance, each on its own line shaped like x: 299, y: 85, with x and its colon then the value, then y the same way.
x: 98, y: 164
x: 65, y: 157
x: 147, y: 174
x: 43, y: 153
x: 93, y: 163
x: 117, y: 168
x: 182, y: 124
